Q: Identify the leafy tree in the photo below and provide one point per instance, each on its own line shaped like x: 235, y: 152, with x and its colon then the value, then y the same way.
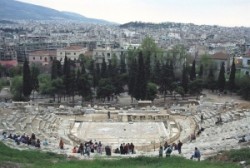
x: 231, y: 82
x: 105, y: 89
x: 45, y: 84
x: 178, y: 56
x: 16, y: 88
x: 151, y: 91
x: 14, y: 71
x: 193, y: 73
x: 195, y: 87
x: 27, y: 83
x: 221, y: 79
x: 180, y: 91
x: 149, y: 46
x: 56, y: 88
x: 207, y: 63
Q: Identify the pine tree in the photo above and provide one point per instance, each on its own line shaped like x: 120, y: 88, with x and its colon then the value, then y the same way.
x: 27, y: 83
x: 221, y: 79
x: 231, y: 82
x: 193, y: 73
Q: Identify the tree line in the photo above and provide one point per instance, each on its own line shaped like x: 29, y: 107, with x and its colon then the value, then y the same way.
x: 143, y: 73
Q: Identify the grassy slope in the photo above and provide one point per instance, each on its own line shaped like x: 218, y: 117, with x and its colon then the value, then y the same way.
x: 37, y: 159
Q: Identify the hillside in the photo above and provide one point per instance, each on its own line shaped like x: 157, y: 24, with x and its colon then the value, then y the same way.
x: 15, y: 10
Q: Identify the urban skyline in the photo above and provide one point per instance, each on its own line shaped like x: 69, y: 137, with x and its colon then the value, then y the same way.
x: 208, y: 12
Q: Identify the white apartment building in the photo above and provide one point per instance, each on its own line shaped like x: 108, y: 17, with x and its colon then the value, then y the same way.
x: 106, y: 53
x: 72, y: 52
x: 246, y: 64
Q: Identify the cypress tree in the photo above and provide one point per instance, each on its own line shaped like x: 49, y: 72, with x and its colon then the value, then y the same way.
x: 184, y: 79
x: 27, y: 83
x: 122, y: 65
x: 201, y: 71
x: 67, y: 74
x: 231, y: 82
x: 141, y: 83
x: 34, y: 78
x: 147, y: 67
x: 132, y: 77
x: 56, y: 69
x: 221, y: 79
x: 104, y: 69
x: 211, y: 84
x: 165, y: 75
x: 193, y: 73
x: 156, y: 76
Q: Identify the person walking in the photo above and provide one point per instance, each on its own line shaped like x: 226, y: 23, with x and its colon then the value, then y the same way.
x: 61, y: 144
x: 179, y: 145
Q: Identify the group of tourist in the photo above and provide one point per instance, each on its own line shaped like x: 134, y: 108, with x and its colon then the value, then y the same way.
x: 169, y: 148
x: 25, y: 139
x: 90, y: 147
x: 125, y: 149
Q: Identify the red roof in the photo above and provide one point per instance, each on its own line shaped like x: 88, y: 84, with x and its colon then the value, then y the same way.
x: 73, y: 48
x: 43, y: 53
x: 220, y: 56
x: 9, y: 62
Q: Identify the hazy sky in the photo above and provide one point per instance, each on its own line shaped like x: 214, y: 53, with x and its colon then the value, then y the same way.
x: 219, y: 12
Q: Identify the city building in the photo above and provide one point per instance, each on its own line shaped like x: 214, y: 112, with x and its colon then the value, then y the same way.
x: 42, y: 57
x: 72, y: 52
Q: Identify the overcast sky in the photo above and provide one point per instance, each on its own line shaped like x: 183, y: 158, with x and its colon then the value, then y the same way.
x: 211, y: 12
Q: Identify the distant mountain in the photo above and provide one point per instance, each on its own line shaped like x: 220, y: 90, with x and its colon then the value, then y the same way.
x: 15, y: 10
x: 77, y: 16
